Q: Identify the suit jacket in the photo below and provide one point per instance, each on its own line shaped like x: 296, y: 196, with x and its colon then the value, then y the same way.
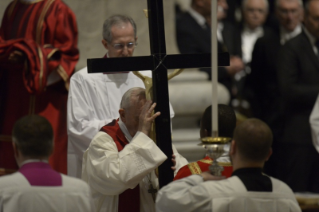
x: 193, y: 38
x: 298, y: 77
x: 261, y: 86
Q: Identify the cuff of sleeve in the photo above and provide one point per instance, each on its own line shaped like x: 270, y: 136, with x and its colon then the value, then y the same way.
x: 196, y: 179
x: 140, y: 139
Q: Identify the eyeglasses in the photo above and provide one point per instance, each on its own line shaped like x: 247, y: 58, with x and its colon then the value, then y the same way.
x: 120, y: 46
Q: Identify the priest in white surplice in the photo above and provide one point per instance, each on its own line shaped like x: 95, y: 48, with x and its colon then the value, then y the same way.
x: 248, y: 189
x: 36, y: 186
x: 120, y: 161
x: 94, y: 99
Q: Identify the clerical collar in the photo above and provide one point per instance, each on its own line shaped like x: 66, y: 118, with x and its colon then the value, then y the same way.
x: 125, y: 130
x: 32, y: 161
x: 247, y: 171
x: 198, y: 17
x: 285, y: 36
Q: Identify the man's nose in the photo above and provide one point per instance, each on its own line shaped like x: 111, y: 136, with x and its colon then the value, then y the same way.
x: 125, y: 51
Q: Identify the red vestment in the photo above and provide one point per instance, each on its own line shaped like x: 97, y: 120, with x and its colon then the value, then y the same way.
x: 46, y: 33
x: 202, y: 166
x: 129, y: 200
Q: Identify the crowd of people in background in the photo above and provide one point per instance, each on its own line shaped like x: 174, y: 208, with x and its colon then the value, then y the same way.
x: 273, y: 73
x: 273, y: 80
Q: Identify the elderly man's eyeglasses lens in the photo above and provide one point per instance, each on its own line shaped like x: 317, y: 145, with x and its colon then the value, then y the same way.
x: 120, y: 46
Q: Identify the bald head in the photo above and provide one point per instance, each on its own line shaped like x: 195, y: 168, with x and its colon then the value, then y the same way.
x: 253, y: 139
x: 132, y: 95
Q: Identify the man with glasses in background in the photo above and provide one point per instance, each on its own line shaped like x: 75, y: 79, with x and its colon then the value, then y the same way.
x: 94, y: 99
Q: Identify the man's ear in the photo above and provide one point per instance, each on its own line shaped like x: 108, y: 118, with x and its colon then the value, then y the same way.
x: 232, y: 150
x: 269, y: 154
x: 122, y: 114
x: 15, y: 149
x: 105, y: 44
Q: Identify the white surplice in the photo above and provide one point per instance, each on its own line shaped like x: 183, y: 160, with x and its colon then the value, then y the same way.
x: 94, y: 101
x: 109, y: 172
x: 231, y: 195
x: 16, y: 194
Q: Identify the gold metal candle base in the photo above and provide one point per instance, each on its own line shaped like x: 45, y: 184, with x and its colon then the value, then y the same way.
x: 216, y: 140
x: 214, y: 149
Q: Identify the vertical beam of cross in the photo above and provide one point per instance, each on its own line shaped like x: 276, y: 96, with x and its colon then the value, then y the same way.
x: 160, y: 88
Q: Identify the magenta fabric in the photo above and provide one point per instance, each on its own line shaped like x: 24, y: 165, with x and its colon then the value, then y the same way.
x: 41, y: 174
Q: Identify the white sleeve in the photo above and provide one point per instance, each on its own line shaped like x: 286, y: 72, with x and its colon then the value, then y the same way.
x: 314, y: 124
x: 81, y: 119
x: 180, y: 160
x: 187, y: 194
x: 111, y: 172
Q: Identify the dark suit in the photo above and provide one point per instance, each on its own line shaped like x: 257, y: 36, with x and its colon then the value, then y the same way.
x: 262, y: 85
x: 193, y: 38
x: 262, y: 91
x: 298, y: 77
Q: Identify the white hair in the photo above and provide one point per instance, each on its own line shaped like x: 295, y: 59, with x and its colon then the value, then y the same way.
x: 126, y: 101
x: 244, y: 3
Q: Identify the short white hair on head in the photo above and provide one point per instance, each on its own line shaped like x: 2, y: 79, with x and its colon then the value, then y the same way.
x: 244, y: 3
x: 299, y: 1
x: 127, y: 97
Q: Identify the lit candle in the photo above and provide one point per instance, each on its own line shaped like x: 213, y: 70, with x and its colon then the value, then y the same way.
x: 214, y: 69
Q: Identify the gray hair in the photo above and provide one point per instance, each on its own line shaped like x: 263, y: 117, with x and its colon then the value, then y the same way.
x: 244, y: 3
x: 116, y: 20
x: 126, y: 101
x: 299, y: 1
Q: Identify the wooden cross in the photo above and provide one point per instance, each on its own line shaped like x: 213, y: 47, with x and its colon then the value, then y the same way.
x: 158, y: 62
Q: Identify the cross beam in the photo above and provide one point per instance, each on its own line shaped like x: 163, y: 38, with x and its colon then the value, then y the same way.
x: 158, y: 62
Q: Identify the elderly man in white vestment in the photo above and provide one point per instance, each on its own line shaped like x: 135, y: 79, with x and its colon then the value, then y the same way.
x: 36, y: 186
x: 248, y: 189
x: 94, y: 99
x: 120, y: 163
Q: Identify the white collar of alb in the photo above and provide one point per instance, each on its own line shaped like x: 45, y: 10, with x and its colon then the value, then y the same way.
x: 125, y: 130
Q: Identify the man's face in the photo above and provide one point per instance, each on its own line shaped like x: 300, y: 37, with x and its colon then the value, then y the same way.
x: 289, y: 14
x: 311, y: 19
x: 222, y: 8
x: 132, y: 114
x: 123, y: 41
x: 255, y: 13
